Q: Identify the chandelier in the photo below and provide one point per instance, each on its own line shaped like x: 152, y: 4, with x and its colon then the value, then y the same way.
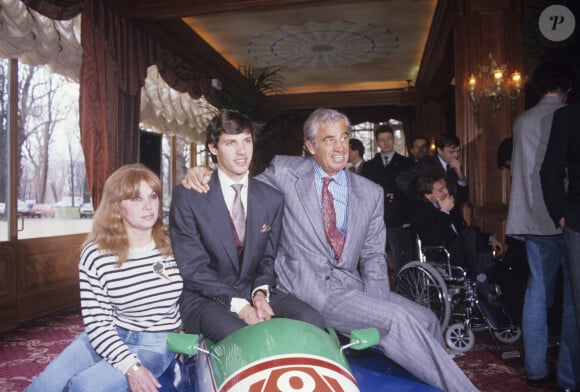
x: 491, y: 82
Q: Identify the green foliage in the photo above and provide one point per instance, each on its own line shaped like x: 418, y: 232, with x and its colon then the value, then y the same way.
x: 246, y: 94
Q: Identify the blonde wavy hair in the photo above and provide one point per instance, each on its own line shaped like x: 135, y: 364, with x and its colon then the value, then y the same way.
x: 108, y: 228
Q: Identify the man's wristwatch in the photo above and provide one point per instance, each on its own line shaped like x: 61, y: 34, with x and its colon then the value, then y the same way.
x: 261, y: 291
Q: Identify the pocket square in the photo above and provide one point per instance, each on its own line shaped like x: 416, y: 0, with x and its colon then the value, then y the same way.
x: 265, y: 228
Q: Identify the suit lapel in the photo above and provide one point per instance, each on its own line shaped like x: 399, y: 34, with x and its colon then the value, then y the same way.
x: 219, y: 217
x: 355, y: 195
x: 254, y: 219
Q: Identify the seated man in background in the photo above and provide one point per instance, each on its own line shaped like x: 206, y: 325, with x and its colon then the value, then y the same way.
x: 225, y: 241
x: 437, y: 223
x: 447, y: 161
x: 332, y: 252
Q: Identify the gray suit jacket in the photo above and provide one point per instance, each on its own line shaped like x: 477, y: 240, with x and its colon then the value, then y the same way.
x: 527, y: 211
x: 304, y: 265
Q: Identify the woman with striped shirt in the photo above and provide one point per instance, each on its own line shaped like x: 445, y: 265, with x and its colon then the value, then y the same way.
x: 129, y: 289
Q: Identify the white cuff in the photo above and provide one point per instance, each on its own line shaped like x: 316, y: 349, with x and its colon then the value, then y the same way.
x: 238, y: 304
x: 263, y: 287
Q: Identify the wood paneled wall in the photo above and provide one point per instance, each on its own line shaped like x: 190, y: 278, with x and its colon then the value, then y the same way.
x: 38, y: 277
x: 482, y: 27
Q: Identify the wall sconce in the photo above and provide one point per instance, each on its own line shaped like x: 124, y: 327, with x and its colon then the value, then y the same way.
x: 491, y: 83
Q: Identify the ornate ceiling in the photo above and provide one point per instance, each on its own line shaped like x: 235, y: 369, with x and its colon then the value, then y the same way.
x: 320, y: 46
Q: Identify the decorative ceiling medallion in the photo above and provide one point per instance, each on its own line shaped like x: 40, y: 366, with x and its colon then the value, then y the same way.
x: 322, y: 44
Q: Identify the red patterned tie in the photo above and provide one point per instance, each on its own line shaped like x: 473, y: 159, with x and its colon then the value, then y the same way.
x: 334, y: 236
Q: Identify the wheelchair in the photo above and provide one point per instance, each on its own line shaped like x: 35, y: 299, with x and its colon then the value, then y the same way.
x: 432, y: 281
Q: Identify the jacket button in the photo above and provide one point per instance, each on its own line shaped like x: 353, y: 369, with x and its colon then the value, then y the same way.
x: 327, y: 277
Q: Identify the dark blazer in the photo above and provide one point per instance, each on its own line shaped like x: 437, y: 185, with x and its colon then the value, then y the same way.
x: 467, y: 245
x: 406, y: 181
x: 395, y: 206
x: 204, y: 245
x: 562, y: 154
x: 433, y: 226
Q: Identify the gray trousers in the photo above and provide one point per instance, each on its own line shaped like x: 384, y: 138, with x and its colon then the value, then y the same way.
x: 410, y: 335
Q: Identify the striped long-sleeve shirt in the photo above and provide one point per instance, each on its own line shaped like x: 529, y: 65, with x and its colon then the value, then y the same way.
x: 141, y: 295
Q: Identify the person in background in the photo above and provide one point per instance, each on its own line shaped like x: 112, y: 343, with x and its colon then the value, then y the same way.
x: 130, y: 287
x: 563, y: 201
x: 446, y: 161
x: 437, y: 223
x: 356, y: 153
x: 383, y: 169
x: 332, y: 252
x: 225, y: 241
x: 528, y: 217
x: 419, y: 148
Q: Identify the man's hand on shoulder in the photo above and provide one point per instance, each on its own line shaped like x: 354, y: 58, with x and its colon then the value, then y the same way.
x: 197, y: 178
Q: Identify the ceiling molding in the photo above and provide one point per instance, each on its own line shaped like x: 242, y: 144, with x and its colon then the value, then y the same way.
x: 176, y: 35
x: 160, y: 9
x: 437, y: 63
x: 398, y: 97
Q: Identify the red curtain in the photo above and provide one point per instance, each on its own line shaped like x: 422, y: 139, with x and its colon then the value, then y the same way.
x: 116, y: 54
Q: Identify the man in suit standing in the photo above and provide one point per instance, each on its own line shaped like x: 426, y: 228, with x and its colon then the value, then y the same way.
x: 356, y: 153
x: 383, y: 169
x: 419, y: 148
x: 332, y: 256
x: 528, y: 217
x: 225, y: 241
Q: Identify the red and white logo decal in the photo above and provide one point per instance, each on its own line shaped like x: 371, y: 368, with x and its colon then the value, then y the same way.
x: 291, y: 374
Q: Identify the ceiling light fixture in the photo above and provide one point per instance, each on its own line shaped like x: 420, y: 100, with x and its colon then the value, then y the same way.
x: 490, y: 82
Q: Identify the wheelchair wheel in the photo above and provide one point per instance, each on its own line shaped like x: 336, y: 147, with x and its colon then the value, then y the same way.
x: 508, y: 335
x: 458, y: 339
x: 421, y: 283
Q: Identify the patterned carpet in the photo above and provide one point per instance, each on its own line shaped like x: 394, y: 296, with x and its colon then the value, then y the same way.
x: 25, y: 351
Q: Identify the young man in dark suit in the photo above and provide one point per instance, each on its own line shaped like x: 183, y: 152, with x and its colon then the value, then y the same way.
x: 225, y: 241
x: 383, y: 169
x: 437, y: 223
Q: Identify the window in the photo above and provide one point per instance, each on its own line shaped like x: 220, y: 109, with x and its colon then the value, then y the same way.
x: 50, y: 171
x: 364, y: 132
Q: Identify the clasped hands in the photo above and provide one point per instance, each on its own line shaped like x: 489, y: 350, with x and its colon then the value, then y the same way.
x: 259, y: 311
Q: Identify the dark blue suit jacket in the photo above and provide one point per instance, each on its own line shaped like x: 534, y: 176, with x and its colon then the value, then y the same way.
x: 204, y: 246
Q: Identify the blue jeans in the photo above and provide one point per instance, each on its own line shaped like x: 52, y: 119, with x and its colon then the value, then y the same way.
x: 80, y: 368
x: 573, y: 251
x: 546, y: 257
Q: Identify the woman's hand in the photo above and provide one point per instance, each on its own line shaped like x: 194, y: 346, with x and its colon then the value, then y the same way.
x: 141, y: 379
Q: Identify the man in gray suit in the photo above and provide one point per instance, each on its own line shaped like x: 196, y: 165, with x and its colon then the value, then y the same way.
x: 225, y: 241
x: 334, y: 258
x: 528, y: 218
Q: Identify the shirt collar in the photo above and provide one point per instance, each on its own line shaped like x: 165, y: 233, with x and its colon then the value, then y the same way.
x: 443, y: 163
x: 226, y: 181
x: 319, y: 174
